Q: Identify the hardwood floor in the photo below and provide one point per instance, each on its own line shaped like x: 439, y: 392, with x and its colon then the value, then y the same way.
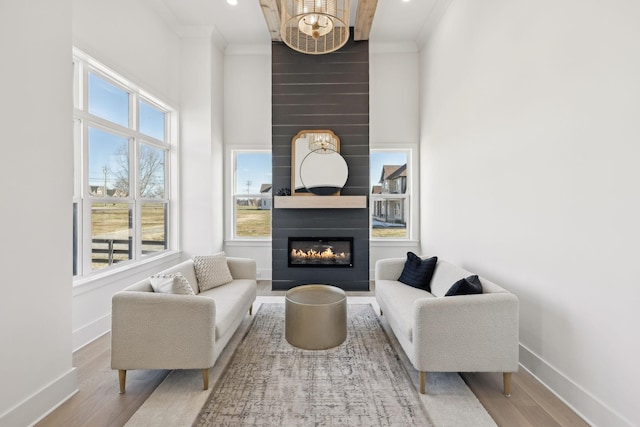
x: 98, y: 403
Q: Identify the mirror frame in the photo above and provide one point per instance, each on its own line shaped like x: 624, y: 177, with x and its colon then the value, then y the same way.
x: 298, y: 157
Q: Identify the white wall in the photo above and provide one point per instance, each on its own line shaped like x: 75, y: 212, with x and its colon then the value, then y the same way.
x: 37, y: 164
x: 394, y: 121
x: 247, y: 124
x: 529, y: 115
x: 131, y: 39
x: 196, y: 183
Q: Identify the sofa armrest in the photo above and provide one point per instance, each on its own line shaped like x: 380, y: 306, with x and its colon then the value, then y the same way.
x: 162, y: 331
x: 467, y: 333
x: 389, y: 268
x: 242, y: 268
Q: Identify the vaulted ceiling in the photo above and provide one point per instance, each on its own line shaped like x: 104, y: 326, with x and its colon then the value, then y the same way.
x: 257, y: 21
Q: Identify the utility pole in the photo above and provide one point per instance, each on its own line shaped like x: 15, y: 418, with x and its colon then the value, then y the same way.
x: 104, y: 189
x: 249, y: 187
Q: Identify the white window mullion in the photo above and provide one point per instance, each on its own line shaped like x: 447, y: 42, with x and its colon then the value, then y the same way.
x: 86, y: 243
x: 107, y: 120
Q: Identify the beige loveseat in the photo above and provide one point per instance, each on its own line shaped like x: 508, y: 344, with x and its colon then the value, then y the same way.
x: 466, y: 333
x: 162, y: 331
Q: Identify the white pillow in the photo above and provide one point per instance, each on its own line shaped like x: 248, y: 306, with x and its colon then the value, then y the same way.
x: 211, y: 270
x: 174, y: 283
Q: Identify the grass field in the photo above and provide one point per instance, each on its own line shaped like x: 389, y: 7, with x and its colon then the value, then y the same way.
x: 111, y: 221
x: 253, y: 222
x: 389, y: 233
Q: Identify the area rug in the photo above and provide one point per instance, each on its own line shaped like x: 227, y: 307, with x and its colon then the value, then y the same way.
x: 271, y: 383
x: 179, y: 400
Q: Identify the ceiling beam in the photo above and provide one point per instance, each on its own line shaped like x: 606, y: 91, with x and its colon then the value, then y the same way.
x: 271, y: 12
x: 364, y: 19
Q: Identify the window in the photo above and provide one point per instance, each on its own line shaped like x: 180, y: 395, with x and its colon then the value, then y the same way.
x: 121, y: 204
x: 252, y: 200
x: 390, y: 189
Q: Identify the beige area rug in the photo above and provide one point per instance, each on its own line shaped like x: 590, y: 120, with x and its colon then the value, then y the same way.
x: 254, y: 386
x: 271, y: 383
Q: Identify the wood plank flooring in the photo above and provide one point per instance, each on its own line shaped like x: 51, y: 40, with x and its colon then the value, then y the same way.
x: 98, y: 403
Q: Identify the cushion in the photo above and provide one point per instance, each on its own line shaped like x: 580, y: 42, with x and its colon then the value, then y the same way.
x: 174, y: 283
x: 211, y: 270
x: 417, y: 272
x: 467, y: 286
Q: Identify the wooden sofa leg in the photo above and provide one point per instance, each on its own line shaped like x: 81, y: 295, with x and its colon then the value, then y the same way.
x: 251, y: 310
x: 122, y: 377
x: 506, y: 380
x: 381, y: 313
x: 205, y: 378
x: 423, y: 382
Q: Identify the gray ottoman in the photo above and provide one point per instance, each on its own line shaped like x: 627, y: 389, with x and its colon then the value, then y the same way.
x: 315, y: 317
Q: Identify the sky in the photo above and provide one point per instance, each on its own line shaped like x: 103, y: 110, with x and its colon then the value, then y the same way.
x: 252, y: 167
x: 256, y: 168
x: 112, y: 103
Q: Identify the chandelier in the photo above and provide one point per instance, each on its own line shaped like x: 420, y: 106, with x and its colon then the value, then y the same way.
x: 315, y: 26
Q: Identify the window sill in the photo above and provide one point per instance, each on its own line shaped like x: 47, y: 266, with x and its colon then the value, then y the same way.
x: 99, y: 279
x: 393, y: 242
x: 248, y: 242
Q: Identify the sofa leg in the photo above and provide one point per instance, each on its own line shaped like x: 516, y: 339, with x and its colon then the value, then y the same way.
x: 205, y: 379
x: 251, y: 310
x: 122, y: 378
x: 381, y: 313
x: 423, y: 382
x: 506, y: 380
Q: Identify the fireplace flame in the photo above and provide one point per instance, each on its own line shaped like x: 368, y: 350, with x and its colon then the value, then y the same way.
x: 313, y: 254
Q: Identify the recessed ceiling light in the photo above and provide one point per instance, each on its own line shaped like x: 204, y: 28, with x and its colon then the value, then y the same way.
x: 232, y: 2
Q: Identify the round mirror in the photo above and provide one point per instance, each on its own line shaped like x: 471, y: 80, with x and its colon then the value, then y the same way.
x: 323, y: 172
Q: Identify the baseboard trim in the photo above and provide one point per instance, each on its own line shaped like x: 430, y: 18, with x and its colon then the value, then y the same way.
x: 43, y: 402
x: 91, y: 332
x: 594, y: 411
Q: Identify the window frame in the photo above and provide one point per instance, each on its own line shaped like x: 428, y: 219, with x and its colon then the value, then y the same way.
x: 232, y: 196
x: 410, y: 196
x: 83, y: 64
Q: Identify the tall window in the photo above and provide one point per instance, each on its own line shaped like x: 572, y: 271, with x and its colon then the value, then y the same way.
x: 123, y: 148
x: 390, y: 214
x: 252, y: 200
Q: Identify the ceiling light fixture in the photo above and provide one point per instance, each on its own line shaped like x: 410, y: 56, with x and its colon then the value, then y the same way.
x: 232, y: 2
x: 315, y: 26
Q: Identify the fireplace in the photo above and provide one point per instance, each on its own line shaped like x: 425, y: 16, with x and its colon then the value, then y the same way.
x: 321, y: 252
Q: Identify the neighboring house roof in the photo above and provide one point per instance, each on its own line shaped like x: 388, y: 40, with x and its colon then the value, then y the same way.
x: 265, y: 188
x: 393, y: 171
x: 377, y: 189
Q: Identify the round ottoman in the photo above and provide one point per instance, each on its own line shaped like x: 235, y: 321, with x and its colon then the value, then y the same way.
x: 315, y: 316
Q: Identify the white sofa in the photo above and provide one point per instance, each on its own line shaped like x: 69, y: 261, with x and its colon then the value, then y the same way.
x: 164, y: 331
x: 466, y: 333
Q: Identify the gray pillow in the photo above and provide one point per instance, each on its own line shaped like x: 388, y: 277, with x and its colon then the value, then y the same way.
x: 174, y: 283
x: 211, y: 270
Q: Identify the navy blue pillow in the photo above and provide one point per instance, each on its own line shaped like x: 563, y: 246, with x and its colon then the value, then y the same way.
x: 467, y: 286
x: 417, y: 272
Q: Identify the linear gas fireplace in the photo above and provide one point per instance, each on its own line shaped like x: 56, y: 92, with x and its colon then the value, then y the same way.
x: 320, y: 252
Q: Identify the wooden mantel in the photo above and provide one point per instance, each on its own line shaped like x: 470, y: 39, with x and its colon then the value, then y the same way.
x: 320, y: 202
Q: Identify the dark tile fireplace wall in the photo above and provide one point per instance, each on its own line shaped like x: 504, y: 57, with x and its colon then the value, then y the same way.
x: 321, y: 92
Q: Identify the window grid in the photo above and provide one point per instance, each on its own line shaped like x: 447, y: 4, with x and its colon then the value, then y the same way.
x: 140, y: 224
x: 250, y: 210
x: 390, y: 212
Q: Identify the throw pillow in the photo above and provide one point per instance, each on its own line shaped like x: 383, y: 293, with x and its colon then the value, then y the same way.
x: 467, y: 286
x: 417, y: 272
x: 174, y: 283
x: 211, y: 270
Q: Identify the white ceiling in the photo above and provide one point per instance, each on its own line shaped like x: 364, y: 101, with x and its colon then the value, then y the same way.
x: 395, y: 21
